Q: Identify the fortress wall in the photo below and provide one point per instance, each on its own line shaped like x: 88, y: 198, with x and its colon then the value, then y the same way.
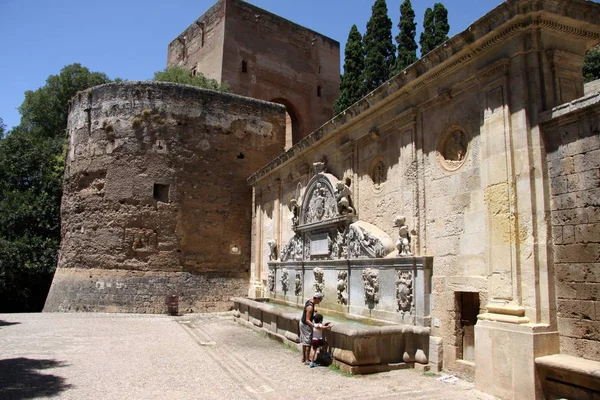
x: 285, y: 62
x: 310, y: 59
x: 155, y: 196
x: 200, y: 46
x: 572, y: 136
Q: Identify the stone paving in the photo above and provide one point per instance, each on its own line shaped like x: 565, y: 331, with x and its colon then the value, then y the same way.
x: 201, y: 356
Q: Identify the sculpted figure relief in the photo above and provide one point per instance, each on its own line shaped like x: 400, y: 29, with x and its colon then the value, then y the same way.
x: 338, y: 244
x: 298, y: 284
x: 342, y: 195
x: 403, y: 243
x: 404, y: 291
x: 271, y: 280
x: 295, y: 208
x: 319, y: 281
x: 342, y: 287
x: 371, y: 286
x: 284, y: 280
x: 307, y: 247
x: 272, y: 243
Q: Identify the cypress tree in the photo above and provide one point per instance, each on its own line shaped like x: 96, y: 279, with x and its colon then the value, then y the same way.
x: 407, y: 46
x: 441, y: 28
x: 351, y: 85
x: 435, y: 28
x: 427, y: 38
x: 380, y: 57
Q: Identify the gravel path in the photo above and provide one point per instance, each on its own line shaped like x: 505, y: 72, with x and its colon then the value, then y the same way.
x: 202, y: 356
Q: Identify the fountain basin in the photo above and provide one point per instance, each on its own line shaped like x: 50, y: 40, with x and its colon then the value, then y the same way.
x: 358, y: 347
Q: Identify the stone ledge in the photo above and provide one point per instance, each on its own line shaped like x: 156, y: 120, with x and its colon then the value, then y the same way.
x: 582, y: 103
x: 567, y: 376
x: 572, y: 364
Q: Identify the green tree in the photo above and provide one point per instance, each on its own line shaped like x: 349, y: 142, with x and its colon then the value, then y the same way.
x: 591, y: 65
x: 44, y: 111
x: 351, y: 83
x: 380, y: 57
x: 185, y: 76
x: 407, y: 46
x: 435, y: 28
x: 31, y: 170
x: 427, y: 39
x: 441, y: 27
x: 31, y: 173
x: 2, y: 128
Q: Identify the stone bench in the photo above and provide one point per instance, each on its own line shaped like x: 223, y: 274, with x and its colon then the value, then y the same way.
x: 564, y: 376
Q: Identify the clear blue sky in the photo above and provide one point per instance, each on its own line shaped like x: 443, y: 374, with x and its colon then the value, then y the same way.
x: 129, y: 38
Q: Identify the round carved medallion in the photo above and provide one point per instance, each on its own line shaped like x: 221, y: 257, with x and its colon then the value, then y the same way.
x: 452, y: 148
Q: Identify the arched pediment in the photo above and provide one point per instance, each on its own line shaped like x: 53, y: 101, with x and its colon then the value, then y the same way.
x: 319, y: 203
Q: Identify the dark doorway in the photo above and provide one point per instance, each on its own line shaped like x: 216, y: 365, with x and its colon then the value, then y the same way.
x: 468, y: 307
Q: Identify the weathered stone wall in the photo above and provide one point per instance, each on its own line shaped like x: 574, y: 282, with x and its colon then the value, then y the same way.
x: 119, y: 290
x: 264, y: 56
x: 572, y: 135
x: 454, y: 144
x: 155, y: 184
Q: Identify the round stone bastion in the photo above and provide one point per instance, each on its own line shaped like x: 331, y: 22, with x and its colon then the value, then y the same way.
x: 156, y: 211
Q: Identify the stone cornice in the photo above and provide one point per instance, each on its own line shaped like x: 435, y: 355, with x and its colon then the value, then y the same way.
x: 505, y: 21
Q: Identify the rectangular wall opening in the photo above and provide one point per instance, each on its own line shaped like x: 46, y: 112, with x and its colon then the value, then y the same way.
x: 467, y: 310
x: 161, y: 192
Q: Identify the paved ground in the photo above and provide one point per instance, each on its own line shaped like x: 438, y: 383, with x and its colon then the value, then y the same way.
x: 208, y: 356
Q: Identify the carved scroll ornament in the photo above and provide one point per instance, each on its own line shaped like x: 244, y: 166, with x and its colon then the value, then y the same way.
x: 292, y: 250
x: 362, y: 244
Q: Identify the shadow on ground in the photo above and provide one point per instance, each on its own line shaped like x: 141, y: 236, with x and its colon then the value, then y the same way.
x: 6, y: 323
x: 20, y: 379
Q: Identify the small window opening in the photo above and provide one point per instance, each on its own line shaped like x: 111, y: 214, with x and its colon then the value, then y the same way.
x: 161, y: 193
x: 194, y: 71
x: 244, y: 66
x: 319, y: 91
x: 241, y: 156
x: 319, y: 69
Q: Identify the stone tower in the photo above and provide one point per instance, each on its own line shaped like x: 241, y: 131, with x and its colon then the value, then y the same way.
x: 264, y: 56
x: 155, y: 201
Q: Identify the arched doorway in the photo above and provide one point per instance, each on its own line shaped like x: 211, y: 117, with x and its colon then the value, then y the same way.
x: 293, y: 131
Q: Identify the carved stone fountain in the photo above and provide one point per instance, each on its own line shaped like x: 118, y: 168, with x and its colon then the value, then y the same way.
x: 363, y: 274
x: 358, y: 267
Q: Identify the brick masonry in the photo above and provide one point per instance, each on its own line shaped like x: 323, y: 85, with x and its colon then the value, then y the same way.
x: 572, y: 137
